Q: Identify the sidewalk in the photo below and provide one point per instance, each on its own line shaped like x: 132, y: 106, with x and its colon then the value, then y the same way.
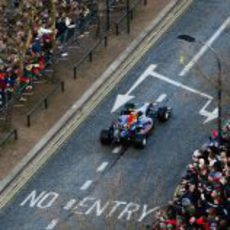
x: 14, y: 152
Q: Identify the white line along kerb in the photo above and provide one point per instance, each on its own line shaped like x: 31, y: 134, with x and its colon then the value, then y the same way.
x: 205, y: 48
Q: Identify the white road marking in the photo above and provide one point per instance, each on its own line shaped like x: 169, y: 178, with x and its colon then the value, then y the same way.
x: 161, y: 98
x: 118, y: 209
x: 41, y: 200
x: 205, y: 47
x: 209, y: 115
x: 52, y: 224
x: 176, y: 83
x: 117, y: 150
x: 70, y: 204
x: 146, y: 212
x: 102, y: 166
x: 124, y: 98
x: 86, y: 185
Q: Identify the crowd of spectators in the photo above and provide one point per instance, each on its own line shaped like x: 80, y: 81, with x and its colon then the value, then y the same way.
x: 202, y: 199
x: 29, y: 31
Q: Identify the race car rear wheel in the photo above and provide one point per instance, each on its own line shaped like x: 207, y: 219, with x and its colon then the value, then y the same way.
x: 163, y: 114
x: 140, y: 141
x: 105, y: 137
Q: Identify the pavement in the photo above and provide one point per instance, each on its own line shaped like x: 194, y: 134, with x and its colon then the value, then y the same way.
x: 15, y: 154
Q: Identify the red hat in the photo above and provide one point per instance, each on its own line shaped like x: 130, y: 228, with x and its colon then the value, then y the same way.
x: 200, y: 221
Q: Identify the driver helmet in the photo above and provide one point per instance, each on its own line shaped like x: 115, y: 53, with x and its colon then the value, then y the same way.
x: 140, y: 114
x: 132, y: 118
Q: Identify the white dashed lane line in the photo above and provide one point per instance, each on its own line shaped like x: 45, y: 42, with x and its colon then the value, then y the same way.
x: 161, y: 98
x: 117, y: 150
x: 102, y: 167
x: 70, y: 204
x: 86, y: 185
x: 52, y: 224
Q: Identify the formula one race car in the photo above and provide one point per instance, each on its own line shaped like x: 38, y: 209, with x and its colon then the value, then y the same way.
x: 134, y: 124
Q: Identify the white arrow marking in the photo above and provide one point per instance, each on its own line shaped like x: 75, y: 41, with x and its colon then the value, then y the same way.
x: 205, y: 48
x: 151, y: 69
x: 124, y: 98
x: 121, y: 100
x: 52, y: 224
x: 209, y: 115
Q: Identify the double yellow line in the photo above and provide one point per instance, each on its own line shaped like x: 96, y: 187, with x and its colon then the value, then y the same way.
x: 68, y: 129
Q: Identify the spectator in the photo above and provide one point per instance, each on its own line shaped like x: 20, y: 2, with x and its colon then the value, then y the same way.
x: 202, y: 200
x: 26, y: 50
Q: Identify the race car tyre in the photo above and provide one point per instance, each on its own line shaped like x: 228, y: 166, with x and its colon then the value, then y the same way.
x: 163, y: 114
x: 140, y: 141
x: 105, y: 137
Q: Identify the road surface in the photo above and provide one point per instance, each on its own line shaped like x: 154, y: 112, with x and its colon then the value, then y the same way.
x: 89, y: 186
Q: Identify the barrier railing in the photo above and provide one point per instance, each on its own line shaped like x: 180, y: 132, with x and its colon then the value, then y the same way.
x: 89, y: 54
x: 128, y: 15
x: 44, y: 102
x: 72, y: 33
x: 12, y: 134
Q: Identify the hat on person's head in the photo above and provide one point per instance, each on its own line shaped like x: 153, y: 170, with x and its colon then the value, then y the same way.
x: 185, y: 202
x: 196, y: 153
x: 200, y: 221
x: 214, y: 133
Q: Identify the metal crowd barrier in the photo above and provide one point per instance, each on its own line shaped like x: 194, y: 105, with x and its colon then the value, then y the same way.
x: 89, y: 54
x: 44, y: 102
x: 128, y: 15
x: 71, y: 34
x: 13, y: 133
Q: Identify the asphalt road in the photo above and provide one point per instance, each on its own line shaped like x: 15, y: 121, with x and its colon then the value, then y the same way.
x: 88, y: 186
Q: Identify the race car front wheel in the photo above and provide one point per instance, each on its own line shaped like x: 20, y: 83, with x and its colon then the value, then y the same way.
x: 105, y: 137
